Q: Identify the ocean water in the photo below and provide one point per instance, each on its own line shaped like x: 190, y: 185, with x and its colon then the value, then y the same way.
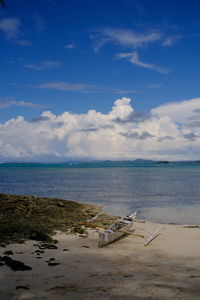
x: 167, y: 193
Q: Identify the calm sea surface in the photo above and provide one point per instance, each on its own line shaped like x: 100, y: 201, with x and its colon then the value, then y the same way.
x: 163, y: 193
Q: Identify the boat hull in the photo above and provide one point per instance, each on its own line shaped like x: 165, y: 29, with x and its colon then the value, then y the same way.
x: 109, y: 236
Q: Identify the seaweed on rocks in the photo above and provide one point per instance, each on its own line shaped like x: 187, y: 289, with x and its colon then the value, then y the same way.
x: 37, y: 218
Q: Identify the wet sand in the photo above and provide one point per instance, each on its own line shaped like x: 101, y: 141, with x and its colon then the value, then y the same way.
x: 168, y: 268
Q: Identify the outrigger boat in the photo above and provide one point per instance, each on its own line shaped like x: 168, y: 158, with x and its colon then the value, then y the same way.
x: 117, y: 230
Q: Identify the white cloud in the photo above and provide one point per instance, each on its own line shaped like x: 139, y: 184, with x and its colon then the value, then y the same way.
x: 155, y: 85
x: 131, y: 40
x: 67, y: 86
x: 44, y: 65
x: 39, y: 23
x: 135, y: 60
x: 181, y: 112
x: 10, y: 101
x: 93, y: 135
x: 11, y: 27
x: 82, y: 87
x: 171, y: 40
x: 70, y: 46
x: 126, y: 38
x: 24, y: 43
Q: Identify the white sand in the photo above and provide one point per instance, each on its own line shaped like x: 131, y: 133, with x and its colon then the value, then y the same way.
x: 168, y: 268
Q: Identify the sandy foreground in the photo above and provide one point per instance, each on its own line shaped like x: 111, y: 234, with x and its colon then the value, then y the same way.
x: 168, y: 268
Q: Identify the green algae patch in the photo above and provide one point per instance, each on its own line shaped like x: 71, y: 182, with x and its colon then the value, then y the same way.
x: 37, y: 218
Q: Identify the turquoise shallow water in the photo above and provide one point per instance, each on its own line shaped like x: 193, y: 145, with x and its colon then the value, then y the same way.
x: 163, y: 193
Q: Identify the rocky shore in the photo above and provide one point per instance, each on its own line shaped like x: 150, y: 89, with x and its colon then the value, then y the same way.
x: 53, y: 265
x: 36, y: 218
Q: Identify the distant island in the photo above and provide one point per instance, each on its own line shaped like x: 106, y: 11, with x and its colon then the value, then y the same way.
x: 83, y: 163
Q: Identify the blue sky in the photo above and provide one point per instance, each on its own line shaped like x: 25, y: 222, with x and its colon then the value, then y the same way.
x: 76, y: 56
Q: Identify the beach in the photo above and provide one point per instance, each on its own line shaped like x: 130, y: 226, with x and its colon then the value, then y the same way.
x: 168, y: 268
x: 100, y: 150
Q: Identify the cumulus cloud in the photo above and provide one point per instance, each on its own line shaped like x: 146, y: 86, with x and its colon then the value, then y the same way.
x: 122, y: 133
x: 191, y: 136
x: 138, y: 136
x: 183, y: 112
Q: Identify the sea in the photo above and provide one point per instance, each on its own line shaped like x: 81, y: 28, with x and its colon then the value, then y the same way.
x: 160, y: 192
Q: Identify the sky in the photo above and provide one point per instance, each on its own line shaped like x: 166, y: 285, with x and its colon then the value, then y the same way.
x: 90, y: 79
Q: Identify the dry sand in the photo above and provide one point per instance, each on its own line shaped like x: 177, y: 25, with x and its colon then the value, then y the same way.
x: 168, y: 268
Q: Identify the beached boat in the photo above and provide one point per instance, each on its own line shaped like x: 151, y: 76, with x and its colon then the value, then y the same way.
x: 117, y: 230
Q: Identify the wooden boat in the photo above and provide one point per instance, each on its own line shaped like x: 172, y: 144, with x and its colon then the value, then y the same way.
x: 116, y: 231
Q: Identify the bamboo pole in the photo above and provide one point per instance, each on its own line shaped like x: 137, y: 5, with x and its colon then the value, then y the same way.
x: 153, y: 236
x: 107, y: 227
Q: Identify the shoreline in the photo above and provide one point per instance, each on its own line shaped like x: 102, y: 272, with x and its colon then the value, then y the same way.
x: 75, y: 268
x: 168, y: 268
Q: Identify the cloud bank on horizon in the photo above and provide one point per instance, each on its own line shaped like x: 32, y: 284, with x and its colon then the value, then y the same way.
x: 170, y: 131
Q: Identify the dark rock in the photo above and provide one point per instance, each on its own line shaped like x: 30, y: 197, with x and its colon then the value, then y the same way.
x: 15, y: 265
x: 51, y: 264
x: 65, y: 249
x: 83, y: 235
x: 8, y: 252
x: 79, y: 229
x: 85, y: 246
x: 1, y: 264
x: 48, y: 246
x: 39, y: 251
x: 22, y: 287
x: 39, y: 236
x: 50, y: 259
